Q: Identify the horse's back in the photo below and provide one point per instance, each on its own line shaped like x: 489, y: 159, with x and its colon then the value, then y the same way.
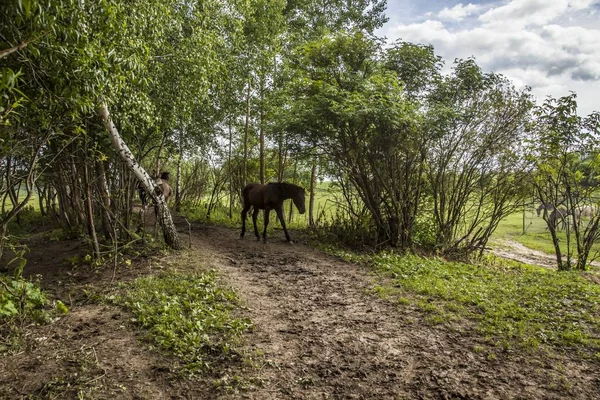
x: 586, y: 211
x: 252, y: 187
x: 253, y: 194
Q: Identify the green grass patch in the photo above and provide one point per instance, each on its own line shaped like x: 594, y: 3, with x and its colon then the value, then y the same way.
x: 529, y: 305
x: 188, y: 315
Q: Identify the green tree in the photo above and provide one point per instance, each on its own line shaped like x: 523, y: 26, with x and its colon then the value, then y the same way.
x: 564, y: 158
x: 355, y: 111
x: 474, y: 162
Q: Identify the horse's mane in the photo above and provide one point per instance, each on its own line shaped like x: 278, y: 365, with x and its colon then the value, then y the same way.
x: 286, y: 187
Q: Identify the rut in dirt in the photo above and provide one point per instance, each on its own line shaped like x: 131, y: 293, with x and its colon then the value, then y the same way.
x: 325, y: 335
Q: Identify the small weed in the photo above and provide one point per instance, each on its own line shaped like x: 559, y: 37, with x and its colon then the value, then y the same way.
x: 427, y: 306
x: 90, y: 294
x: 383, y: 291
x: 403, y: 300
x: 438, y: 318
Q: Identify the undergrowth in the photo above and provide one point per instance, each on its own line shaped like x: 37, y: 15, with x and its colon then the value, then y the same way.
x: 187, y: 315
x: 22, y: 302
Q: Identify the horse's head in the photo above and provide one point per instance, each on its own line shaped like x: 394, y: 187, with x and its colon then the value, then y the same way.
x: 540, y: 208
x: 298, y: 200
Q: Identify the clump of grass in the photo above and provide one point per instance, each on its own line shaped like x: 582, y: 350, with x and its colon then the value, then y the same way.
x: 527, y: 304
x: 188, y: 315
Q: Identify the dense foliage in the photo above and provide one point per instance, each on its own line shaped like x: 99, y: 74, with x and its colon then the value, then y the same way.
x: 222, y: 93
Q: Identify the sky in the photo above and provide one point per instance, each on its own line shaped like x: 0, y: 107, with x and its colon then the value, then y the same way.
x: 553, y: 46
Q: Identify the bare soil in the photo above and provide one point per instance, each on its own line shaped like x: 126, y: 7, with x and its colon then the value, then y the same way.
x: 319, y: 333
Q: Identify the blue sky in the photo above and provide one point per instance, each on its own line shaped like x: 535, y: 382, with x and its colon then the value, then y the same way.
x: 551, y: 45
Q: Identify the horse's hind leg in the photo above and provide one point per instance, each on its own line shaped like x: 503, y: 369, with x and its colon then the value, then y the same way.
x: 267, y: 212
x: 244, y: 214
x: 254, y: 216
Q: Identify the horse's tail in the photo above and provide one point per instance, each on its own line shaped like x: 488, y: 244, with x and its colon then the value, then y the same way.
x: 246, y: 195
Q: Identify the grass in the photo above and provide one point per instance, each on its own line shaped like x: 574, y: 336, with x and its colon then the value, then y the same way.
x: 525, y: 305
x: 188, y: 315
x: 33, y: 200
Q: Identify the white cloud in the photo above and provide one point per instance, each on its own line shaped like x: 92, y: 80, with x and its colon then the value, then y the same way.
x: 522, y: 13
x: 533, y: 42
x: 458, y: 12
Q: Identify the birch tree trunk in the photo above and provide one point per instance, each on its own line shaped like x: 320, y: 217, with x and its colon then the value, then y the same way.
x: 154, y: 191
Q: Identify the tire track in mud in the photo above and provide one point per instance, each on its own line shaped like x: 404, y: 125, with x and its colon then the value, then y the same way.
x: 324, y: 336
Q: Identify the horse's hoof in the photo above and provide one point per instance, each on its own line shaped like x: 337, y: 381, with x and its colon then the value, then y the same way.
x: 265, y: 241
x: 290, y: 242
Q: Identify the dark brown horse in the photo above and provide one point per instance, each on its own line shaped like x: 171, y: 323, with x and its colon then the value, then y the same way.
x: 270, y: 197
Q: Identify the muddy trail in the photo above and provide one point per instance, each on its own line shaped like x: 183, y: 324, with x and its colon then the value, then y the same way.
x: 319, y: 333
x: 326, y: 336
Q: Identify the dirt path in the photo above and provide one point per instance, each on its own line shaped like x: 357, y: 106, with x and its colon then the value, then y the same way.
x: 326, y: 337
x: 514, y: 250
x: 319, y: 334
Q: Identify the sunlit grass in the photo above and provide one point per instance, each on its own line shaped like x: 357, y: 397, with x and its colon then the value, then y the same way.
x: 530, y: 231
x: 325, y: 207
x: 33, y: 201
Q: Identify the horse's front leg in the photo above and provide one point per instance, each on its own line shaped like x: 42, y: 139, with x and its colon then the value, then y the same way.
x: 267, y: 211
x: 279, y: 211
x: 254, y: 216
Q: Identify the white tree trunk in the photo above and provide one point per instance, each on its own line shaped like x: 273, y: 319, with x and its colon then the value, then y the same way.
x: 163, y: 213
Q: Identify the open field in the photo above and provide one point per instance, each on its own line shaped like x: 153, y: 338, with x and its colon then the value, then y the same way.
x: 535, y: 235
